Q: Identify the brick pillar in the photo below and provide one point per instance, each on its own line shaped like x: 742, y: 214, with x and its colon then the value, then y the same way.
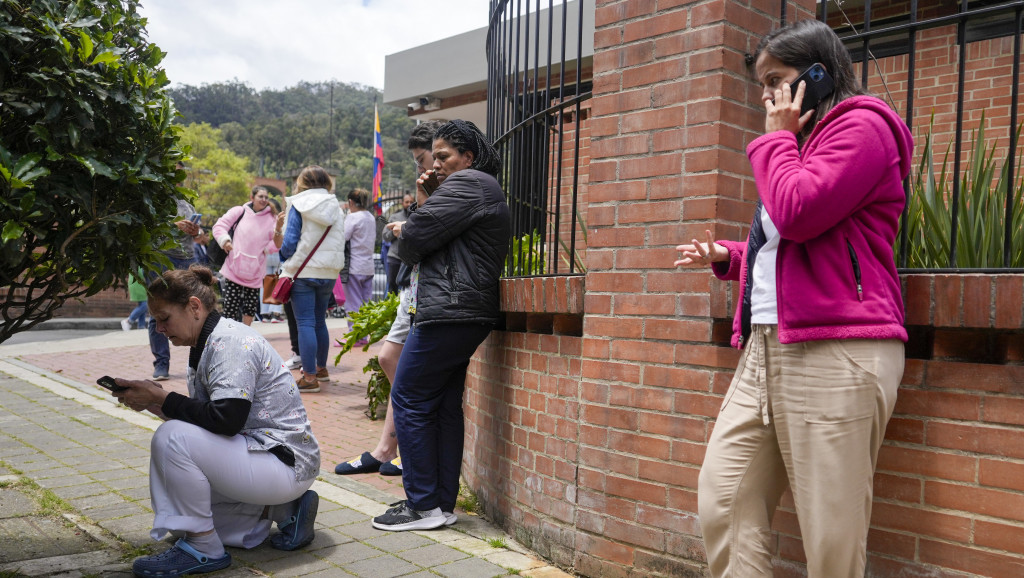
x: 674, y: 107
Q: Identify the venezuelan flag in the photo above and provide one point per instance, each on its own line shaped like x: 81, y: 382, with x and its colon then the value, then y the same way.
x: 378, y: 161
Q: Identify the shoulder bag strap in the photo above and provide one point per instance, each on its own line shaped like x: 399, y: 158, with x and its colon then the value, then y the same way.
x: 313, y: 251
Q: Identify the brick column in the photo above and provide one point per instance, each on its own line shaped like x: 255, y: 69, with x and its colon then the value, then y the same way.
x: 674, y: 107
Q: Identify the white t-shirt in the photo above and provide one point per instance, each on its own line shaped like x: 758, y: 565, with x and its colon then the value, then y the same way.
x: 763, y: 302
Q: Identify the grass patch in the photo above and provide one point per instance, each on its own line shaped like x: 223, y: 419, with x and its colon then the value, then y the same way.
x: 468, y: 502
x: 514, y: 571
x: 10, y: 574
x: 497, y: 542
x: 130, y: 552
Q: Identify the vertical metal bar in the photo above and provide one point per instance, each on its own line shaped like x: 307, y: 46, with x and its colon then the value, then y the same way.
x: 866, y: 28
x: 561, y: 137
x: 961, y: 73
x: 1011, y: 181
x: 576, y: 150
x: 782, y: 13
x: 535, y: 190
x: 517, y: 210
x: 823, y: 11
x: 547, y: 138
x: 911, y: 71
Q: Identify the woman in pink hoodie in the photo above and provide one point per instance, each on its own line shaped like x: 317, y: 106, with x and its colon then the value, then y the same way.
x: 257, y: 233
x: 820, y: 318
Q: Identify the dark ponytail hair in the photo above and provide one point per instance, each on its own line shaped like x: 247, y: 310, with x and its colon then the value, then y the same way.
x: 806, y: 42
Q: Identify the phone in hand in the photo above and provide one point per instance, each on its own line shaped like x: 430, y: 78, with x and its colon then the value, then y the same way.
x: 819, y: 84
x: 430, y: 182
x: 109, y: 383
x: 195, y: 217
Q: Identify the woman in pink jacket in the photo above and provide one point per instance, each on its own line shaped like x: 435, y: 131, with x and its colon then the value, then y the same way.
x: 820, y: 318
x: 257, y: 234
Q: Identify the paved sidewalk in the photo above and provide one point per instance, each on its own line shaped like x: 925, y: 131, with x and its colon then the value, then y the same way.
x: 74, y: 497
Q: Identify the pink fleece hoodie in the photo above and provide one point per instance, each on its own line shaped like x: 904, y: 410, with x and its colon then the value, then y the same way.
x: 836, y: 205
x: 253, y: 241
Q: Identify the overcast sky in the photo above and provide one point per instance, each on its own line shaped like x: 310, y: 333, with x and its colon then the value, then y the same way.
x: 274, y: 44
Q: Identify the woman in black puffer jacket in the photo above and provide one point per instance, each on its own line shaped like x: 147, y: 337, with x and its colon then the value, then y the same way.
x: 457, y: 242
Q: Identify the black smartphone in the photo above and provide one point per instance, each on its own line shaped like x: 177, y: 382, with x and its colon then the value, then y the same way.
x: 430, y: 184
x: 819, y: 85
x: 109, y: 383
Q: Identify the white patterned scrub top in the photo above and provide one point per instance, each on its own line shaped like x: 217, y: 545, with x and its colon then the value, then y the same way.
x: 238, y: 363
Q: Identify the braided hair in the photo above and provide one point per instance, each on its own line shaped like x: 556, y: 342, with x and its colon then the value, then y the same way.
x: 465, y: 136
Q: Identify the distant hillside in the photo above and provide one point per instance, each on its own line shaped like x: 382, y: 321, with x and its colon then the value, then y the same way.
x: 280, y: 131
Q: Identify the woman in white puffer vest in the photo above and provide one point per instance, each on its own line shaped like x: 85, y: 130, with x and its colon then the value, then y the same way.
x: 314, y: 217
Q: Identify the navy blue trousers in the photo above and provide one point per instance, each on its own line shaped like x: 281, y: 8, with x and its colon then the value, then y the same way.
x: 427, y: 401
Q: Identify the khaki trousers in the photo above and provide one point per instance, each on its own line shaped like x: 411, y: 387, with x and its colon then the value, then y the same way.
x: 809, y: 416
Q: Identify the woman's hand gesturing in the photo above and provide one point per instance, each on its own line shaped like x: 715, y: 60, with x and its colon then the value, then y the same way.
x: 699, y: 253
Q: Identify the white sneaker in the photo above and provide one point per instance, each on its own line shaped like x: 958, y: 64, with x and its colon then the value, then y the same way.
x: 294, y: 363
x: 126, y: 325
x: 401, y: 517
x: 450, y: 518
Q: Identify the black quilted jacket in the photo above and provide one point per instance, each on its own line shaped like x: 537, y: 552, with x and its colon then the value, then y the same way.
x: 459, y: 237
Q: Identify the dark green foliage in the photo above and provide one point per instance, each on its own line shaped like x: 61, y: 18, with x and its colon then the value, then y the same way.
x: 281, y: 131
x: 373, y: 322
x: 87, y: 153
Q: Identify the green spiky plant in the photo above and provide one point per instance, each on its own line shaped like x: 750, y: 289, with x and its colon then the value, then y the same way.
x: 981, y: 209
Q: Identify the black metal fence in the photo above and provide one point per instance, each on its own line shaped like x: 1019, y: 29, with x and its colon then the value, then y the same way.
x: 959, y: 227
x: 537, y: 93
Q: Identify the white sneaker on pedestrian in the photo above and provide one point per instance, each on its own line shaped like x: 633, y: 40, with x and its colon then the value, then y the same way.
x: 294, y: 363
x: 126, y: 325
x: 401, y: 517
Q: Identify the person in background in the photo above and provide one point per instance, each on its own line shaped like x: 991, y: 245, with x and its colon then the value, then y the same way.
x: 315, y: 231
x: 235, y: 455
x: 819, y: 319
x: 360, y: 233
x: 270, y: 313
x: 384, y: 458
x: 257, y: 233
x: 181, y: 257
x: 392, y: 262
x: 137, y: 293
x: 457, y: 242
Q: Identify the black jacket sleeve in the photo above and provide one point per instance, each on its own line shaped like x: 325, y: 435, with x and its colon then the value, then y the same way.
x: 222, y: 416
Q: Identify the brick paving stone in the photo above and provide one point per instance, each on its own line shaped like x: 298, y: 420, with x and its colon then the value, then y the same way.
x: 348, y: 553
x: 80, y: 490
x: 89, y: 503
x: 296, y: 564
x: 119, y: 509
x: 399, y: 541
x: 470, y: 568
x: 133, y: 529
x: 361, y: 531
x: 128, y: 483
x: 382, y: 567
x: 340, y: 517
x: 64, y: 481
x: 432, y: 555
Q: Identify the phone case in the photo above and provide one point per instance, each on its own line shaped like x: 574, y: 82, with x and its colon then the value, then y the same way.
x: 819, y: 85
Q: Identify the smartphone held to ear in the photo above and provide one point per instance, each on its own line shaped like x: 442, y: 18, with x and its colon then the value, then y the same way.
x: 819, y: 84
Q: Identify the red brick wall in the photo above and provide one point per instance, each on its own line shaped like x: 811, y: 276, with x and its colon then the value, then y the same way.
x: 587, y: 448
x: 106, y: 303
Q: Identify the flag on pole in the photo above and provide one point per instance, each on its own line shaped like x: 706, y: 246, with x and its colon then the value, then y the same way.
x: 378, y: 161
